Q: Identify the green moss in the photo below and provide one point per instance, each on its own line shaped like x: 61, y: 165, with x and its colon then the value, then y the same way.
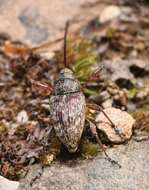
x: 84, y: 61
x: 88, y: 149
x: 132, y: 93
x: 90, y: 92
x: 80, y: 58
x: 111, y: 32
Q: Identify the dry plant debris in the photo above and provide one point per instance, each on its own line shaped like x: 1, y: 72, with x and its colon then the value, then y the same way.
x: 24, y: 117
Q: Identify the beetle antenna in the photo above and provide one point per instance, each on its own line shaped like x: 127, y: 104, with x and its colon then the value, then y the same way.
x: 65, y: 43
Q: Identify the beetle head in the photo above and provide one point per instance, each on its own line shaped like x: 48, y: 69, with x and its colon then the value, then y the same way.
x: 66, y: 83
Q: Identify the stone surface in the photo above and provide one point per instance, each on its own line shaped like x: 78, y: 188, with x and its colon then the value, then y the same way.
x: 125, y: 72
x: 109, y: 13
x: 123, y: 121
x: 119, y: 70
x: 34, y: 23
x: 22, y: 117
x: 6, y: 184
x: 98, y: 173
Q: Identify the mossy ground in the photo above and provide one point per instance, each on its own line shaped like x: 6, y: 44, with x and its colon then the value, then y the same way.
x: 142, y: 120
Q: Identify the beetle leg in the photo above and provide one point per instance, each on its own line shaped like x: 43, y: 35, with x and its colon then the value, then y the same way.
x: 37, y: 176
x: 93, y: 77
x: 100, y: 109
x: 41, y: 88
x: 94, y: 132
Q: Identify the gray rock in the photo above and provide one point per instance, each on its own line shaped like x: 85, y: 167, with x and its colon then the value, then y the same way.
x: 125, y: 72
x: 22, y: 117
x: 33, y: 23
x: 119, y: 69
x: 139, y: 68
x: 34, y: 30
x: 97, y: 174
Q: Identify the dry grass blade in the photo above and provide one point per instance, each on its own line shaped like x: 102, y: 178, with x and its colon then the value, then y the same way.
x: 10, y: 48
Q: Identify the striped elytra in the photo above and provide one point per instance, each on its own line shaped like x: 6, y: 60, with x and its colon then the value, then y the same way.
x: 67, y: 107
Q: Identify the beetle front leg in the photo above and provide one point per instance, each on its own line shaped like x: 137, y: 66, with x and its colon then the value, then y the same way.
x: 95, y: 134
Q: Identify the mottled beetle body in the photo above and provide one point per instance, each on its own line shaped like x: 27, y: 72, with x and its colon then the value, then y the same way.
x: 67, y: 107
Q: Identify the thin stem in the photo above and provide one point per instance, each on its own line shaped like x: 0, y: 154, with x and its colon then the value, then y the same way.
x: 13, y: 49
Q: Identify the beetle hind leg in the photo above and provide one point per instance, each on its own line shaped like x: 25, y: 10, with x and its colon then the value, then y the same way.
x: 95, y: 134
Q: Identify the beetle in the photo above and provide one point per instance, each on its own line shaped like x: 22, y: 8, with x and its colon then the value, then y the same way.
x: 68, y: 107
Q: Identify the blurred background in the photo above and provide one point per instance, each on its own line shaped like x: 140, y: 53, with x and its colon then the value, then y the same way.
x: 34, y: 22
x: 111, y: 36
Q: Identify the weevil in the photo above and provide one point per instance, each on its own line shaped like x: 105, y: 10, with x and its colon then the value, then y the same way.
x: 68, y: 107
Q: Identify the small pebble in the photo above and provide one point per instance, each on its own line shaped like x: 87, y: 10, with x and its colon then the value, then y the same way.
x: 22, y: 117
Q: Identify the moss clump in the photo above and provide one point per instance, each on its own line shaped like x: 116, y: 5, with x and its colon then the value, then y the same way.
x: 80, y: 58
x: 85, y: 61
x: 132, y: 93
x: 142, y: 120
x: 111, y: 33
x: 88, y: 149
x: 90, y: 92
